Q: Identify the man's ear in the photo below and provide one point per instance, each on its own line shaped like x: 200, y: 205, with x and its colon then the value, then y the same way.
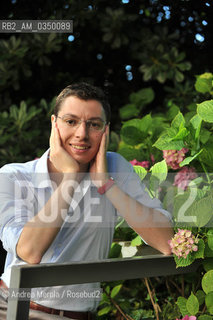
x: 53, y: 118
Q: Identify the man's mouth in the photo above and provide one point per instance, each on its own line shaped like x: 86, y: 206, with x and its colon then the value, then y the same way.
x: 79, y: 147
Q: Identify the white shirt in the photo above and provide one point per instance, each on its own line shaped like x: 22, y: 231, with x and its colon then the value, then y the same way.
x: 87, y: 232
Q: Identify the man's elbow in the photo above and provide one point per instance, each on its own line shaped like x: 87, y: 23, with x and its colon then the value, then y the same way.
x: 166, y: 252
x: 27, y: 256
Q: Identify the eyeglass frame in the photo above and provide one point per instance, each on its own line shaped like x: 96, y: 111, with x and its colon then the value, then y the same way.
x: 86, y: 121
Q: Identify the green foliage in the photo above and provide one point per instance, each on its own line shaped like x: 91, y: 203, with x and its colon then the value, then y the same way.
x: 158, y: 175
x: 24, y: 131
x: 115, y: 250
x: 165, y: 62
x: 115, y: 291
x: 209, y: 302
x: 138, y: 101
x: 17, y: 55
x: 175, y: 136
x: 207, y: 263
x: 141, y: 172
x: 203, y: 83
x: 192, y: 208
x: 192, y: 304
x: 207, y: 282
x: 205, y: 110
x: 137, y: 241
x: 12, y: 63
x: 181, y: 302
x: 200, y: 296
x: 205, y: 317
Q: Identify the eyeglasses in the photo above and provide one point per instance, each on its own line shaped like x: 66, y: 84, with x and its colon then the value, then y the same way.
x: 92, y: 125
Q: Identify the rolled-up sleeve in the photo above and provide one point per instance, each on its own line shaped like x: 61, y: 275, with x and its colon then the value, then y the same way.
x: 130, y: 183
x: 15, y: 210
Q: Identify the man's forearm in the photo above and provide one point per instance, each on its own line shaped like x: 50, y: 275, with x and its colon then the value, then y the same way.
x: 39, y: 233
x: 149, y: 223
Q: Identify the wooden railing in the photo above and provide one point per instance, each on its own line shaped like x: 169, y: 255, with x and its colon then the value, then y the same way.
x: 47, y: 275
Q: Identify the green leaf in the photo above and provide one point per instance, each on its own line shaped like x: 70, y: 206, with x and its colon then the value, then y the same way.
x: 131, y: 135
x: 129, y: 153
x: 115, y: 250
x: 184, y: 262
x: 161, y: 77
x: 209, y: 302
x: 207, y: 282
x: 104, y: 299
x: 159, y: 170
x: 201, y: 248
x: 182, y: 133
x: 203, y: 83
x: 179, y: 76
x: 136, y: 241
x: 164, y: 142
x: 181, y: 203
x: 208, y: 263
x: 104, y: 311
x: 205, y: 110
x: 115, y: 291
x: 14, y: 112
x: 187, y: 160
x: 208, y: 252
x: 200, y: 296
x: 196, y: 122
x: 141, y: 172
x: 142, y: 97
x: 181, y: 302
x: 204, y: 135
x: 205, y: 317
x: 210, y: 239
x: 192, y: 305
x: 173, y: 111
x: 178, y: 121
x: 128, y: 111
x: 207, y: 155
x: 145, y: 123
x: 192, y: 213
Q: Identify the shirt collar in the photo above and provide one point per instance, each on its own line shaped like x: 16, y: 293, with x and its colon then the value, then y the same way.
x: 41, y: 178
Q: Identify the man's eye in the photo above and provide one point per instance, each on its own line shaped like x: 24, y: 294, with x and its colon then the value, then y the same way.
x: 71, y: 122
x: 95, y: 125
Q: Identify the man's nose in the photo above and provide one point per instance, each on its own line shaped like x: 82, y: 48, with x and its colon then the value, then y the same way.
x: 82, y: 131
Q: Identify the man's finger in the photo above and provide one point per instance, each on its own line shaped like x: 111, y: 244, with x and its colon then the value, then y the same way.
x: 57, y: 135
x: 52, y: 137
x: 107, y: 136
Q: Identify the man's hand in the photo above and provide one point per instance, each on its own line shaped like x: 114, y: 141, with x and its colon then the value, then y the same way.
x: 98, y: 166
x: 59, y: 157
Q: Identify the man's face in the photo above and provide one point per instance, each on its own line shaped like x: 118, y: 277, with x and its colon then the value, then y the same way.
x: 80, y: 142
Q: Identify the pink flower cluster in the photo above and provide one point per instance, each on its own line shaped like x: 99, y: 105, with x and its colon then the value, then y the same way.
x: 183, y: 243
x: 184, y: 176
x: 174, y: 157
x: 144, y: 164
x: 188, y: 318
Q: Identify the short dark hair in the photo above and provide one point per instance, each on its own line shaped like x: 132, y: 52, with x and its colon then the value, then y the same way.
x: 84, y: 91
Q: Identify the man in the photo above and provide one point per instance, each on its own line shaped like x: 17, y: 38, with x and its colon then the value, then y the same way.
x: 63, y: 206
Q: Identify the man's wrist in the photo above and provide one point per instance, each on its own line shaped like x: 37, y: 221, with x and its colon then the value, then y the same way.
x: 106, y: 186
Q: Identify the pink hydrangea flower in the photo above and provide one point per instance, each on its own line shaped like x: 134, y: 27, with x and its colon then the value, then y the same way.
x: 188, y: 318
x: 184, y: 176
x: 174, y: 157
x: 144, y: 164
x: 183, y: 243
